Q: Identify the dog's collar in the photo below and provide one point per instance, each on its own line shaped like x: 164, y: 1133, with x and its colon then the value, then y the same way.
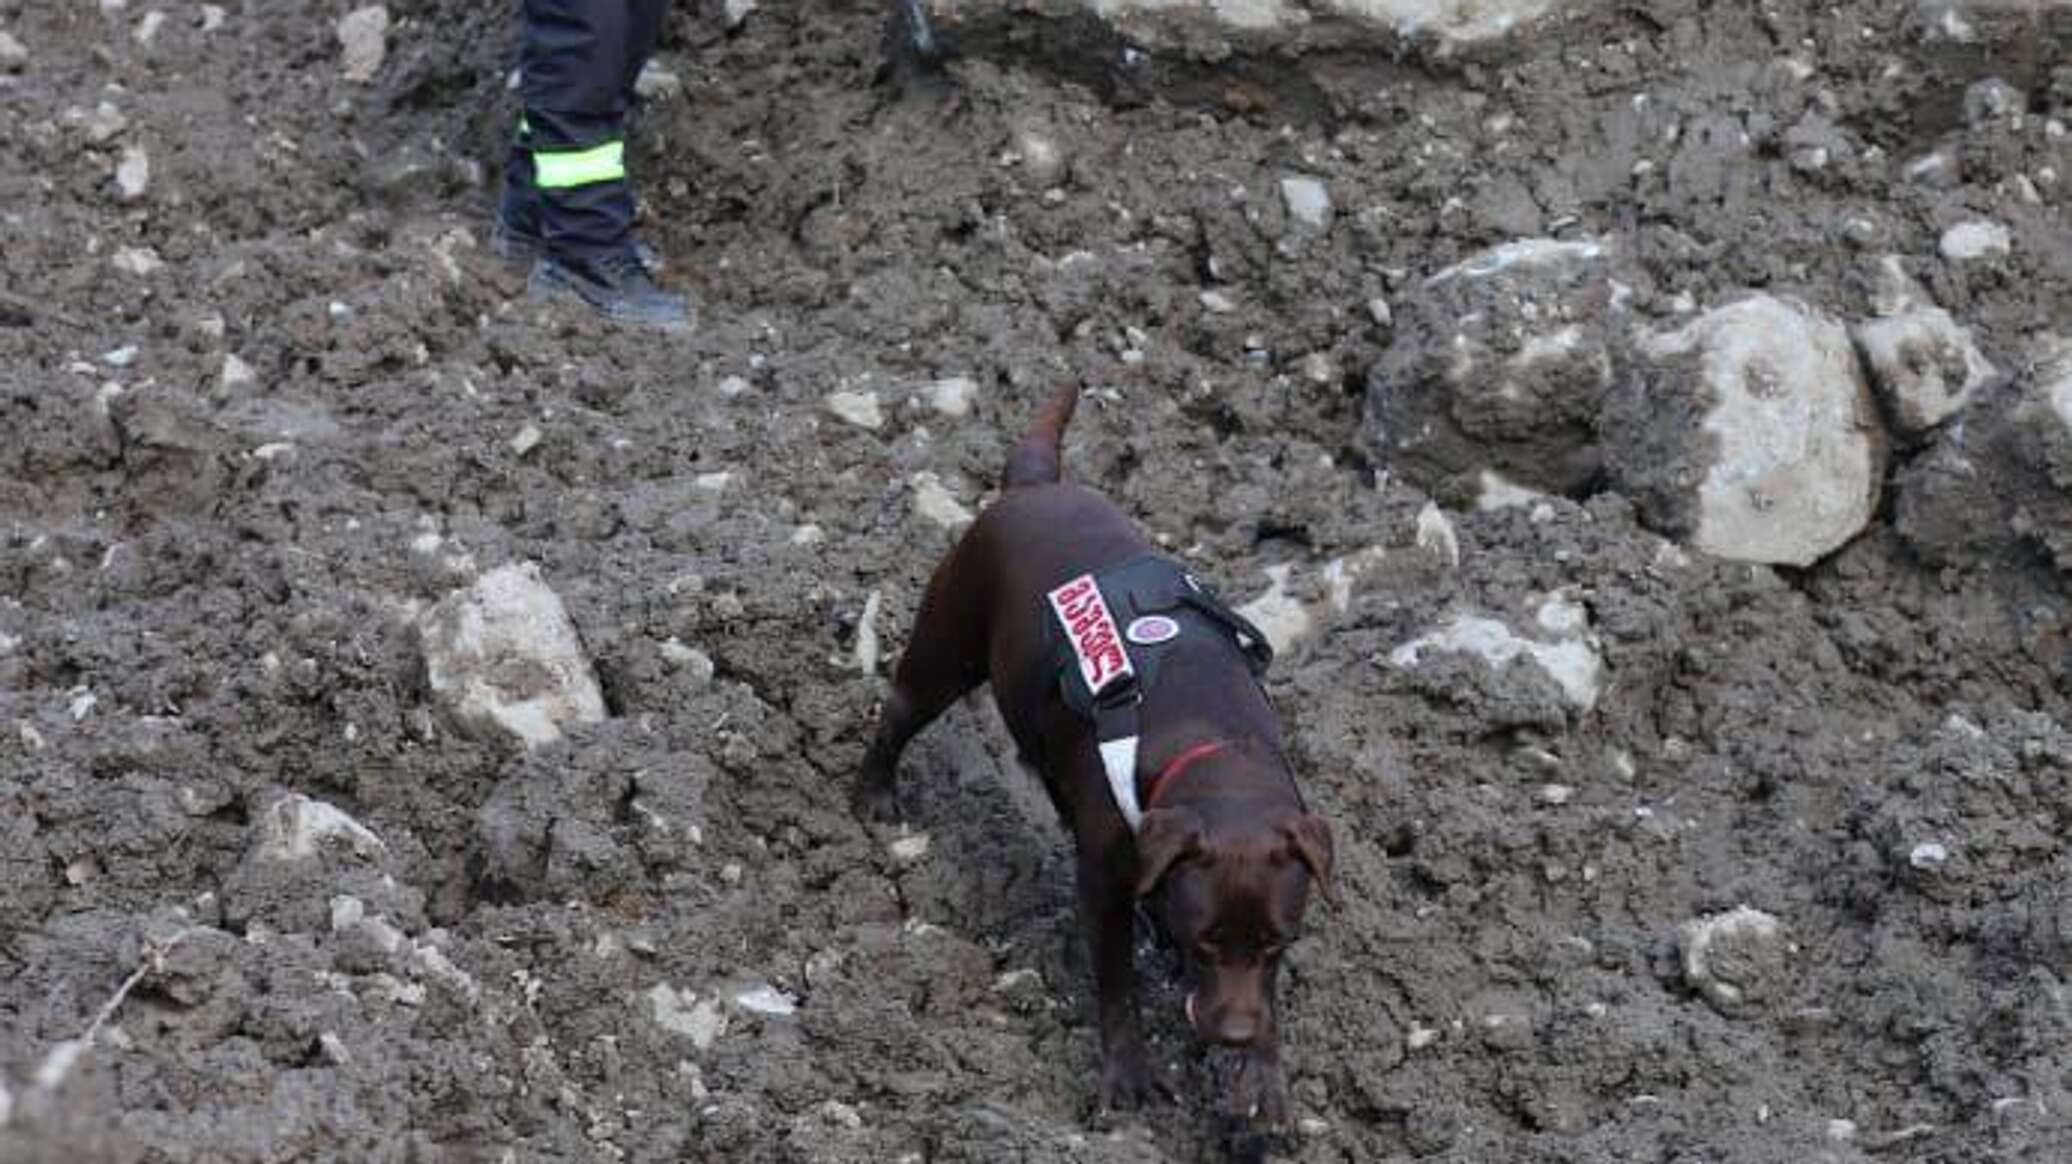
x: 1177, y: 765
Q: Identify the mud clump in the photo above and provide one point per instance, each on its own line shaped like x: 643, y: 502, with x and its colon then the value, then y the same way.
x: 1376, y: 343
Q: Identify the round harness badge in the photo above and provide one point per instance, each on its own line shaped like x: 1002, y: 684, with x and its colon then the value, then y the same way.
x: 1151, y: 630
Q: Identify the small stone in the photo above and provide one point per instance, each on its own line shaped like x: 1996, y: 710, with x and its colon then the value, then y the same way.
x: 526, y: 440
x: 858, y: 408
x: 147, y: 28
x: 693, y: 662
x: 732, y: 386
x: 1308, y: 201
x: 934, y: 502
x: 736, y: 12
x: 363, y: 33
x: 952, y: 397
x: 766, y: 1000
x: 909, y: 849
x: 1041, y: 158
x: 1435, y: 533
x: 682, y: 1012
x: 236, y: 374
x: 1928, y: 855
x: 1319, y: 368
x: 121, y: 357
x: 297, y: 828
x: 133, y: 173
x: 1841, y: 1131
x: 1218, y: 302
x: 657, y: 83
x: 841, y: 1115
x: 1556, y: 794
x: 731, y: 873
x: 808, y: 535
x: 13, y: 54
x: 1990, y: 100
x: 104, y: 123
x: 1378, y: 311
x: 212, y: 17
x: 1976, y: 239
x: 1727, y: 957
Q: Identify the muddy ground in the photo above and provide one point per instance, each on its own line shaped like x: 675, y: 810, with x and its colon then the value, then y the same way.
x: 209, y: 571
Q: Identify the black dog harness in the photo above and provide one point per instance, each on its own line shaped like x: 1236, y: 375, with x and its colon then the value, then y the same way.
x: 1112, y: 630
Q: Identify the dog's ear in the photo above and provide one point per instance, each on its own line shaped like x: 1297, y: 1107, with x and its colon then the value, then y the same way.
x: 1165, y: 836
x: 1311, y: 837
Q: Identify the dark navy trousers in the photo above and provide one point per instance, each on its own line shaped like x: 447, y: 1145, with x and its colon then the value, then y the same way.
x: 566, y: 178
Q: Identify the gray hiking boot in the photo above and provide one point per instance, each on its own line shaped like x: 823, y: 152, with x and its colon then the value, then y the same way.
x: 617, y: 286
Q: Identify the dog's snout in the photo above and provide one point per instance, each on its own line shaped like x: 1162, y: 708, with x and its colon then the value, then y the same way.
x: 1235, y: 1028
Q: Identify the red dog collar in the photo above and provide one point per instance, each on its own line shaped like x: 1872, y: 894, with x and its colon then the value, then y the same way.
x: 1175, y: 766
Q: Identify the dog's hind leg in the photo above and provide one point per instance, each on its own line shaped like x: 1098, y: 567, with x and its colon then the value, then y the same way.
x: 945, y: 658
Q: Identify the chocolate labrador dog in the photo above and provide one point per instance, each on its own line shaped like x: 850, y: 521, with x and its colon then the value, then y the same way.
x: 1134, y: 692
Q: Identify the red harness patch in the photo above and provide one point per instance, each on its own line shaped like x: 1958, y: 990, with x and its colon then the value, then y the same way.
x: 1096, y: 641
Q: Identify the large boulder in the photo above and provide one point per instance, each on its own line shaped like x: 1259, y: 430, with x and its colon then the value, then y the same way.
x: 505, y: 658
x: 1210, y: 29
x: 1750, y: 432
x: 1499, y: 370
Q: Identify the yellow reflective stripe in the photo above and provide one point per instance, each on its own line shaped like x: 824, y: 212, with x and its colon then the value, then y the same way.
x: 605, y: 163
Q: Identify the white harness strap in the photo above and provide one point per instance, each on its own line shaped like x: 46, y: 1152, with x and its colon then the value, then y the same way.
x: 1119, y: 757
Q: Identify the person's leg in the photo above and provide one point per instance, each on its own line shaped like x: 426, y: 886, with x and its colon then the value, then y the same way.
x: 571, y: 75
x: 573, y: 78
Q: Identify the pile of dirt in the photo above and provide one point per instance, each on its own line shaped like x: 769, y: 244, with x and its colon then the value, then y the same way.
x: 1643, y: 853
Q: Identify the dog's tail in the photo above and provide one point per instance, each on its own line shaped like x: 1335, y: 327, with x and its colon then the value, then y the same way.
x: 1035, y: 460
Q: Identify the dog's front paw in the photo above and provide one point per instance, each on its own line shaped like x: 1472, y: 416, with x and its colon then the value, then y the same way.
x: 1260, y: 1091
x: 1129, y: 1079
x: 872, y: 797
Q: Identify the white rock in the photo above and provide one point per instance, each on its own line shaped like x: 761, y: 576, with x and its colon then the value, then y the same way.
x: 132, y: 173
x: 138, y: 261
x: 13, y: 56
x: 526, y: 439
x: 104, y: 123
x: 1435, y: 533
x: 866, y: 658
x: 212, y: 17
x: 1378, y: 310
x: 121, y: 357
x: 1524, y: 252
x: 736, y: 12
x: 1308, y: 201
x: 858, y: 408
x: 363, y: 34
x: 1721, y: 953
x: 682, y: 1012
x: 935, y: 502
x: 1788, y: 444
x: 1279, y: 615
x: 1928, y: 855
x: 1218, y: 302
x: 148, y: 26
x: 1925, y: 366
x: 1976, y: 239
x: 1041, y: 158
x: 657, y: 83
x: 732, y: 386
x: 236, y: 374
x: 690, y: 660
x: 909, y: 849
x: 1495, y: 491
x: 505, y: 657
x: 296, y: 828
x: 952, y: 397
x: 765, y: 999
x: 1567, y: 654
